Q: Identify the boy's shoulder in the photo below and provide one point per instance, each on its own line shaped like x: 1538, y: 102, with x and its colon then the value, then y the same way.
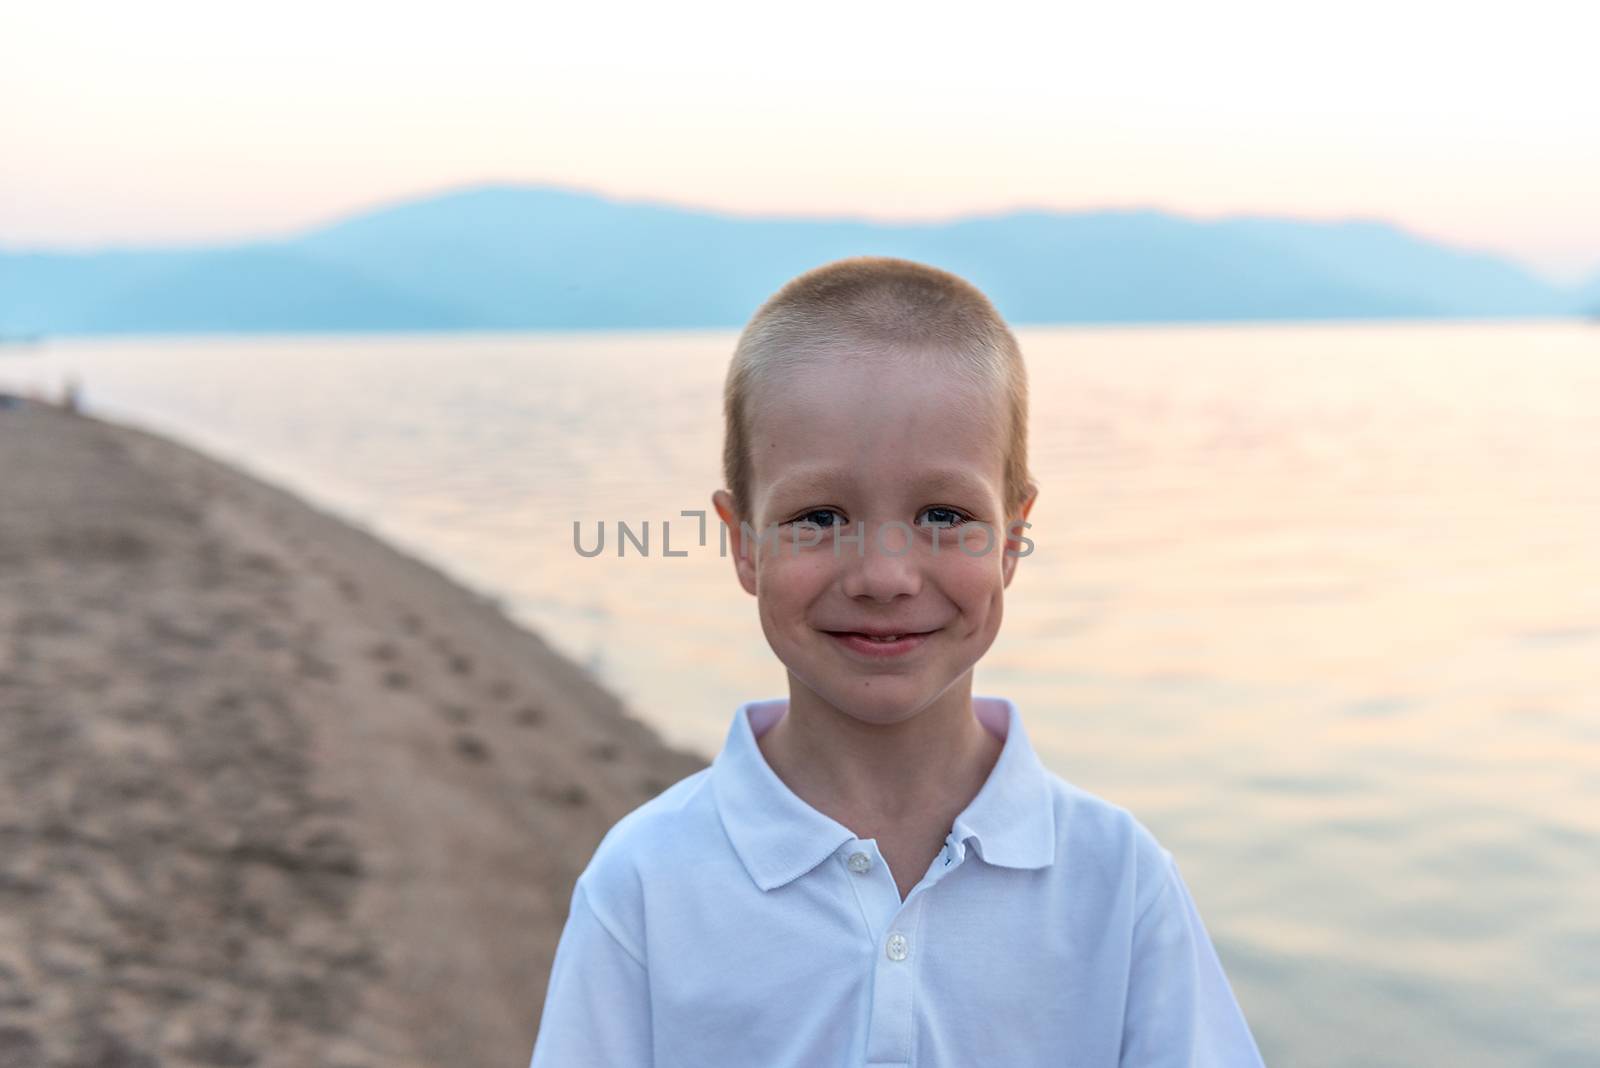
x: 1096, y: 835
x: 1090, y: 819
x: 676, y: 826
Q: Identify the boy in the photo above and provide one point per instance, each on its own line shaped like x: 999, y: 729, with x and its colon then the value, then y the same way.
x: 878, y: 870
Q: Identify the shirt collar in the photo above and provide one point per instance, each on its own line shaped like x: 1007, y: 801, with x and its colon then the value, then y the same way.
x: 780, y: 837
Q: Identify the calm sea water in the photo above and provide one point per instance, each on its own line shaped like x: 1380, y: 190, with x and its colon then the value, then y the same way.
x: 1320, y: 604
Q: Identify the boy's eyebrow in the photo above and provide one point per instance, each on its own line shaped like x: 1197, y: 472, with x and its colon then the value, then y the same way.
x: 812, y: 480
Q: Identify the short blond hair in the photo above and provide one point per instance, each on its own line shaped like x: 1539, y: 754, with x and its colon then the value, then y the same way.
x: 884, y: 304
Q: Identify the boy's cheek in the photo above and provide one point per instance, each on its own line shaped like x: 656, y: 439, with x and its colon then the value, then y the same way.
x: 976, y: 575
x: 784, y: 567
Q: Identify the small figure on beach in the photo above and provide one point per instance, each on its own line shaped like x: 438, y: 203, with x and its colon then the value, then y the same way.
x: 71, y: 394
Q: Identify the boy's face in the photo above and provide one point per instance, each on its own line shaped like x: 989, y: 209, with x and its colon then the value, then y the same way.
x: 897, y: 456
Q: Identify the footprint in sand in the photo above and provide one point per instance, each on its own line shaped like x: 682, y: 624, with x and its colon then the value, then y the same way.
x: 265, y: 563
x: 18, y: 1045
x: 314, y: 667
x: 455, y: 713
x: 572, y: 795
x: 530, y: 716
x: 471, y: 747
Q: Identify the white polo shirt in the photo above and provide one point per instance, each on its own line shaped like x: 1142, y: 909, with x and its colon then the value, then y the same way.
x: 726, y: 923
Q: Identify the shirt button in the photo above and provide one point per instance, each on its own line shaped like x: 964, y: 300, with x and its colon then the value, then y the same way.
x: 898, y: 948
x: 859, y: 862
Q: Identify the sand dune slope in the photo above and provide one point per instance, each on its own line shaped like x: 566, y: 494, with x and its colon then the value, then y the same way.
x: 272, y: 793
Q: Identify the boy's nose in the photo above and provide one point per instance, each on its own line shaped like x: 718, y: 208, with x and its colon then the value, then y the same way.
x: 886, y: 567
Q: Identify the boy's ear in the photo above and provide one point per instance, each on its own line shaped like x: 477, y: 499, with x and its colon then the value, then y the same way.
x: 743, y: 565
x: 1018, y: 544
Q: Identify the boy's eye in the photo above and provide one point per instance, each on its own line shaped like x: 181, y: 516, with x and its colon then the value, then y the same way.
x: 820, y: 517
x: 939, y: 516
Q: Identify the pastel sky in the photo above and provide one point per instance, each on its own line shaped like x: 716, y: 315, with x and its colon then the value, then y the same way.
x: 165, y: 121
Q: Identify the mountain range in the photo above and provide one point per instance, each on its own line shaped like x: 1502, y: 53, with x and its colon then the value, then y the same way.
x: 537, y: 257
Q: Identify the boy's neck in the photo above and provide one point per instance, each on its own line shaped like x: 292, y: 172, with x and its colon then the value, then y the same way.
x: 872, y: 777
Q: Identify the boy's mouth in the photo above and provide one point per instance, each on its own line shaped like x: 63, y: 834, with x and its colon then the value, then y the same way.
x: 881, y: 634
x: 879, y: 643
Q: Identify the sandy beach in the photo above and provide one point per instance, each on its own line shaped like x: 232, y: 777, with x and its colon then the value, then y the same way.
x: 271, y: 792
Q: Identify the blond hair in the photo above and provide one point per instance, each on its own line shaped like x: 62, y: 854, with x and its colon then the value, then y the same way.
x: 883, y: 304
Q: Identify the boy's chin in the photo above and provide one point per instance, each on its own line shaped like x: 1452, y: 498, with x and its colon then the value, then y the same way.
x: 880, y: 701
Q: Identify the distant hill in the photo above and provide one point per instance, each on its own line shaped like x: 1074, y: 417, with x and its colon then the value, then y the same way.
x: 526, y: 257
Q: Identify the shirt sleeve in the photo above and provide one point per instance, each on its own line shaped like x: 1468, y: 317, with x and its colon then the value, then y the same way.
x: 597, y: 1006
x: 1181, y: 1011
